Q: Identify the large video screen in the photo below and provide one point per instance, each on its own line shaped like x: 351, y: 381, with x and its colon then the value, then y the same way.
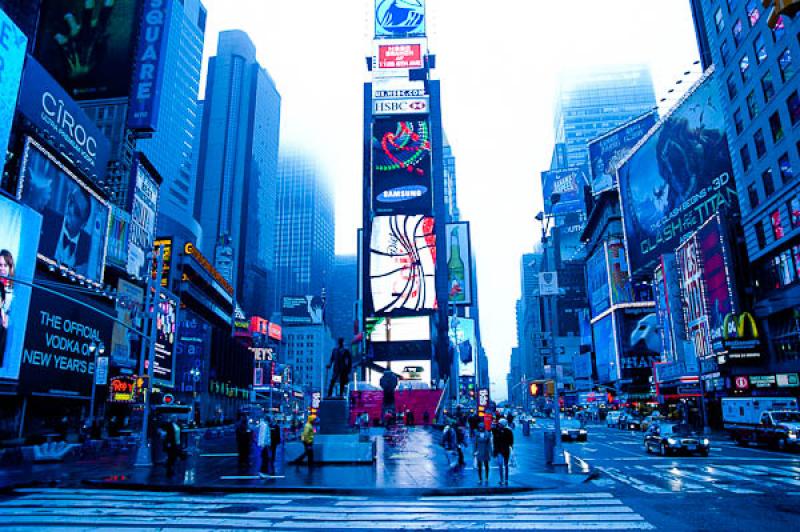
x: 408, y: 329
x: 166, y: 328
x: 640, y: 342
x: 459, y: 264
x: 608, y: 151
x: 597, y: 282
x: 19, y: 238
x: 74, y: 217
x: 401, y: 167
x: 678, y: 177
x: 302, y: 310
x: 402, y: 263
x: 464, y: 344
x: 605, y: 346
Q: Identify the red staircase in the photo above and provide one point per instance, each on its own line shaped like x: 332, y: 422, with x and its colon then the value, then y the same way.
x: 418, y: 401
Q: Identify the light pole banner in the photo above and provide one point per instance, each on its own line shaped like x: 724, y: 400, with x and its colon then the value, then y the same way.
x: 548, y: 284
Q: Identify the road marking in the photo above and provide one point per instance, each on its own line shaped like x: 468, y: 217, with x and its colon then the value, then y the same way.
x: 216, y: 455
x: 676, y: 484
x: 630, y: 481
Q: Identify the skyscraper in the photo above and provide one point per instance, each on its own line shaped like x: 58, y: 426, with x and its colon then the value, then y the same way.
x: 237, y: 170
x: 592, y: 102
x: 304, y: 241
x: 450, y: 196
x: 342, y: 294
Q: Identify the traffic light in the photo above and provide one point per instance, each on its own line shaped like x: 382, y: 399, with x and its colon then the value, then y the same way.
x: 788, y: 8
x: 535, y: 388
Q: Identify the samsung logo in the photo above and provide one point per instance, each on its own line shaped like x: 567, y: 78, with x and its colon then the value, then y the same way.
x: 394, y: 195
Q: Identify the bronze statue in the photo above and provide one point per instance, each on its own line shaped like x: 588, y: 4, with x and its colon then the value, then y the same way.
x: 342, y: 363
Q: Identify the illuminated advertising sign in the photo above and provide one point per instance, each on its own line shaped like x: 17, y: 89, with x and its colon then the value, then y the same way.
x: 166, y: 321
x: 119, y: 223
x: 191, y: 352
x: 464, y: 344
x: 122, y: 389
x: 640, y: 344
x: 12, y: 56
x: 275, y: 332
x: 608, y: 151
x: 414, y: 370
x: 597, y: 284
x: 401, y: 167
x: 694, y: 300
x: 130, y: 299
x: 605, y: 345
x: 408, y: 329
x: 719, y: 289
x: 49, y: 108
x: 165, y: 245
x: 396, y: 57
x: 563, y: 190
x: 191, y: 251
x: 148, y: 71
x: 387, y: 89
x: 459, y: 263
x: 60, y: 346
x: 677, y: 177
x: 302, y: 310
x: 258, y: 325
x: 88, y: 46
x: 402, y: 263
x: 74, y: 217
x: 399, y: 18
x: 402, y: 106
x: 144, y: 205
x: 19, y: 235
x: 621, y: 287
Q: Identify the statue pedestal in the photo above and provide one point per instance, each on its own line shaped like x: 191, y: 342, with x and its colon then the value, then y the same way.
x: 333, y: 416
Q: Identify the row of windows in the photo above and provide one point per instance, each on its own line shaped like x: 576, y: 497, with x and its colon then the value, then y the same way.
x: 777, y: 224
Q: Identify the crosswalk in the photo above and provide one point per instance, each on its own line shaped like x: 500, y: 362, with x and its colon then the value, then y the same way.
x: 663, y: 478
x: 84, y: 509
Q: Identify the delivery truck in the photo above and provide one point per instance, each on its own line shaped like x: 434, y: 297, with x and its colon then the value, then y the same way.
x: 772, y: 421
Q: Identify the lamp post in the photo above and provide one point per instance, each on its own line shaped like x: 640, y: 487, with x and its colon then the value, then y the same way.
x: 96, y: 350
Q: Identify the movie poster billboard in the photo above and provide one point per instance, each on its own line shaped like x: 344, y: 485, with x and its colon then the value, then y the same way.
x: 166, y: 329
x: 89, y: 46
x: 597, y: 282
x: 621, y: 286
x: 130, y: 300
x: 640, y: 343
x: 718, y: 279
x: 608, y: 151
x: 401, y: 167
x: 399, y: 18
x: 74, y: 217
x: 12, y: 57
x: 694, y: 302
x: 402, y: 263
x: 605, y: 349
x: 143, y: 195
x: 563, y: 190
x: 464, y: 344
x: 676, y: 178
x: 302, y: 310
x: 61, y: 343
x: 19, y: 238
x: 459, y: 263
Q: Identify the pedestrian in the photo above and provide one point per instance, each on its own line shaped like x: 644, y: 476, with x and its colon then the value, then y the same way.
x: 264, y: 442
x: 482, y: 453
x: 503, y: 442
x: 172, y: 443
x: 244, y: 439
x: 449, y: 442
x: 410, y: 418
x: 308, y: 442
x: 461, y: 437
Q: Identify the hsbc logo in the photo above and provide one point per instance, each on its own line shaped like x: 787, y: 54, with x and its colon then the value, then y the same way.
x: 400, y: 106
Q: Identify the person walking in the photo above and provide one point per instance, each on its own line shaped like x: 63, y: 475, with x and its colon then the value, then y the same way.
x: 172, y: 443
x: 308, y: 442
x: 503, y: 441
x: 244, y: 439
x: 264, y: 442
x: 482, y: 452
x: 449, y: 442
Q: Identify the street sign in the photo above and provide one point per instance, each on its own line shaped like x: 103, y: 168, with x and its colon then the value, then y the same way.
x: 101, y: 371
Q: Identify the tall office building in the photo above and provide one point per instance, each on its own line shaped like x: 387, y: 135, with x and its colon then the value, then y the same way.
x: 450, y: 196
x: 759, y: 93
x: 237, y: 170
x: 171, y: 147
x: 593, y: 102
x: 342, y: 295
x: 304, y: 241
x: 308, y: 350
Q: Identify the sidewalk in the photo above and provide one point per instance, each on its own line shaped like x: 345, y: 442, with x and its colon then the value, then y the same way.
x: 418, y: 466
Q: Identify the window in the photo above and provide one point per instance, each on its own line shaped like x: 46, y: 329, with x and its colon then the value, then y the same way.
x: 744, y: 154
x: 752, y: 104
x: 760, y: 49
x: 753, y: 14
x: 779, y: 29
x: 737, y: 32
x: 785, y: 168
x: 738, y: 122
x: 769, y: 184
x: 761, y: 236
x: 784, y: 268
x: 760, y: 143
x: 775, y: 127
x: 752, y: 195
x: 731, y: 84
x: 719, y: 20
x: 744, y: 68
x: 767, y: 86
x: 777, y: 227
x: 724, y: 52
x: 785, y: 64
x: 794, y: 211
x: 793, y: 104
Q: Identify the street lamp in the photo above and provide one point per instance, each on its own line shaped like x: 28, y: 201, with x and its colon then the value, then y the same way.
x: 95, y: 349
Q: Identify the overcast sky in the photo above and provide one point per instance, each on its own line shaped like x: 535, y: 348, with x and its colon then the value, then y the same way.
x: 498, y: 62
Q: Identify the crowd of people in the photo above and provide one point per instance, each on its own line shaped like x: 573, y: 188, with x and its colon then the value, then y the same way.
x: 488, y: 437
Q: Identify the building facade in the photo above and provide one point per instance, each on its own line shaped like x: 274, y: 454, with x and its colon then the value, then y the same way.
x: 307, y: 351
x: 342, y: 296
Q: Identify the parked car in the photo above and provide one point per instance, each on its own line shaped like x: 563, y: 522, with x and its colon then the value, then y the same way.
x: 773, y: 421
x: 612, y: 419
x: 666, y: 439
x: 571, y: 430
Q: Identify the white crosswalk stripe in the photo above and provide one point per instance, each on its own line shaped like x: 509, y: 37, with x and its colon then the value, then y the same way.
x: 79, y: 509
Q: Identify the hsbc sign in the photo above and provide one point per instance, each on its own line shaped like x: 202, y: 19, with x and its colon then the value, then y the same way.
x: 403, y: 106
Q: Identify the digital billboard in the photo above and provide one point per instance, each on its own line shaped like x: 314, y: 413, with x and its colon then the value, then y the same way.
x: 597, y: 282
x: 464, y: 344
x: 563, y: 190
x: 74, y: 217
x: 401, y: 167
x: 402, y: 262
x: 676, y: 178
x: 407, y: 329
x: 50, y: 108
x: 399, y: 18
x: 621, y: 287
x: 640, y: 343
x: 605, y: 349
x: 302, y: 310
x: 19, y: 238
x: 719, y: 289
x: 60, y: 346
x: 130, y: 299
x: 608, y: 151
x: 694, y: 302
x: 119, y: 223
x: 459, y: 263
x: 166, y: 328
x: 143, y: 196
x: 89, y: 46
x: 12, y: 57
x: 394, y: 58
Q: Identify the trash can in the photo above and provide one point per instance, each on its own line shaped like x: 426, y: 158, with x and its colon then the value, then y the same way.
x: 549, y: 445
x: 526, y: 428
